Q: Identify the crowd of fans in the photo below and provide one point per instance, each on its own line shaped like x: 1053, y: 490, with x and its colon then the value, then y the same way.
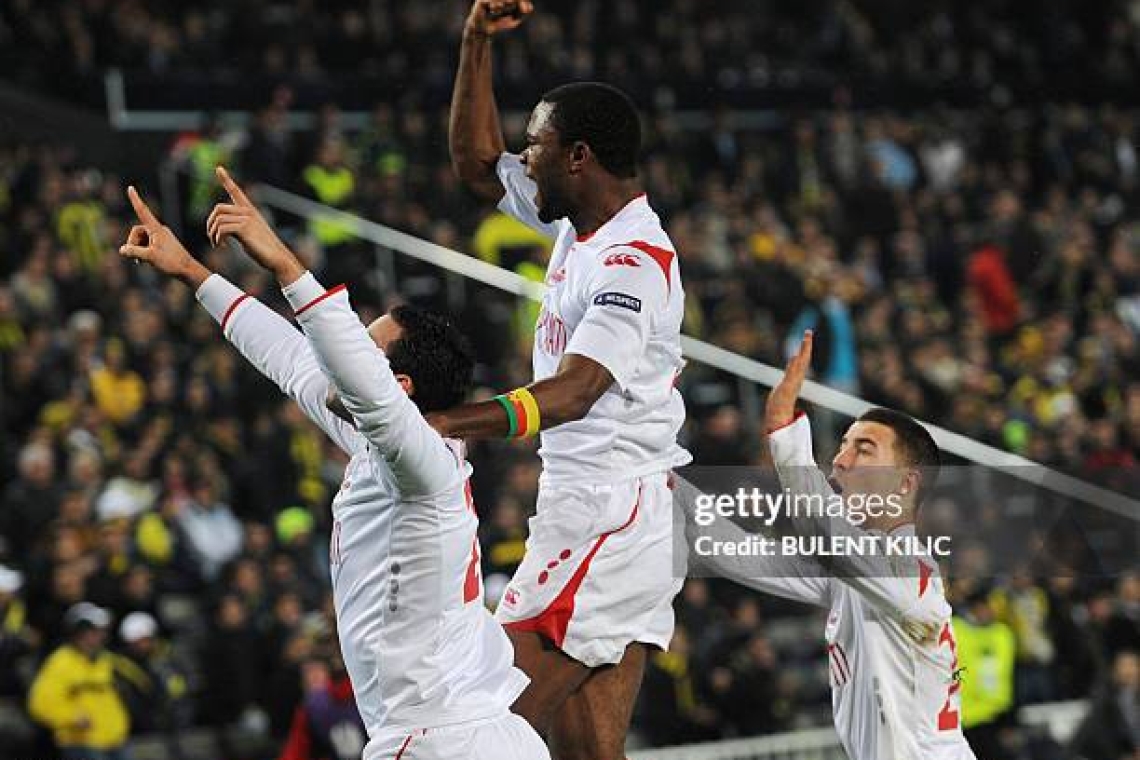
x: 978, y: 268
x: 745, y: 52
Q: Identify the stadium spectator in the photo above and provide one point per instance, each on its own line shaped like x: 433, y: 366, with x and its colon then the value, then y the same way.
x: 154, y: 685
x: 326, y: 724
x: 74, y: 691
x: 1111, y: 730
x: 986, y: 655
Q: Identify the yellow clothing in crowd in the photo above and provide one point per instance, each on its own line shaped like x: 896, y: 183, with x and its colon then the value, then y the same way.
x: 70, y: 687
x: 120, y: 396
x: 987, y: 654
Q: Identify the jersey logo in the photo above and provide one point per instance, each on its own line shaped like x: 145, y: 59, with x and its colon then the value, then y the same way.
x: 550, y: 333
x: 621, y: 260
x: 511, y: 597
x: 558, y: 276
x: 618, y: 299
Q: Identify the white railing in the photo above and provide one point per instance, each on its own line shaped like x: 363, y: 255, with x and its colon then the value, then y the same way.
x: 747, y: 370
x: 1059, y: 719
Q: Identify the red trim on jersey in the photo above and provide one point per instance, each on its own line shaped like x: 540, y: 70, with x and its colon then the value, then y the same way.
x: 471, y: 580
x: 799, y: 413
x: 554, y: 620
x: 230, y: 311
x: 663, y: 257
x: 318, y: 299
x: 924, y: 573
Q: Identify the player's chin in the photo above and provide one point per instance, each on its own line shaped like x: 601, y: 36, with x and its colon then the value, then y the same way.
x: 836, y: 486
x: 546, y: 214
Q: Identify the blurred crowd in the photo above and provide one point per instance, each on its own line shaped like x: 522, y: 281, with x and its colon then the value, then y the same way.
x: 751, y: 53
x: 166, y: 510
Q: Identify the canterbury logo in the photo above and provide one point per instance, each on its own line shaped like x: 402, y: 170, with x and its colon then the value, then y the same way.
x: 621, y: 260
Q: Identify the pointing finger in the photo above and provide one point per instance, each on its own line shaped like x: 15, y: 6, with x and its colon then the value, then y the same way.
x: 145, y: 215
x: 236, y: 193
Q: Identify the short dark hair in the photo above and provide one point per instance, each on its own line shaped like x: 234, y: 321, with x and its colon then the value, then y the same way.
x: 603, y: 117
x: 434, y: 354
x: 913, y: 442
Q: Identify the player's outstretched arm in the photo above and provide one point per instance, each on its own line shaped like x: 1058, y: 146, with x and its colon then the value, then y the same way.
x: 384, y: 413
x: 564, y: 397
x: 475, y: 136
x: 266, y: 340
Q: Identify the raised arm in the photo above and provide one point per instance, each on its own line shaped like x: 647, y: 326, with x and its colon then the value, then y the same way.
x: 475, y: 136
x: 420, y: 459
x: 263, y: 337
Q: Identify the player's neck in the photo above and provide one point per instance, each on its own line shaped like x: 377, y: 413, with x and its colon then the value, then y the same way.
x: 603, y: 204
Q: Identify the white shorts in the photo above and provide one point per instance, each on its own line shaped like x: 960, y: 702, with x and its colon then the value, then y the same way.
x: 506, y: 737
x: 598, y: 572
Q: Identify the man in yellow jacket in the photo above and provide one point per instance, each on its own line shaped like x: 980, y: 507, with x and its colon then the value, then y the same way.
x: 74, y: 692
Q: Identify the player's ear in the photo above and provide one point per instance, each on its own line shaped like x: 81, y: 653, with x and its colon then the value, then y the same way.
x: 406, y: 383
x: 579, y: 154
x: 911, y: 481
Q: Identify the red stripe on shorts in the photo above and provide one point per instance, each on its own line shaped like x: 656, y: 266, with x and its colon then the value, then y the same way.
x: 554, y: 620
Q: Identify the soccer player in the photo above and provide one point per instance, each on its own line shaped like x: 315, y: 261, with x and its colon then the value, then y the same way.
x: 430, y: 667
x: 595, y: 588
x: 890, y: 643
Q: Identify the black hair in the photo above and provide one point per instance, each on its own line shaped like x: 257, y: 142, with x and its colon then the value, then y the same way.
x: 603, y: 117
x: 914, y: 443
x: 434, y: 354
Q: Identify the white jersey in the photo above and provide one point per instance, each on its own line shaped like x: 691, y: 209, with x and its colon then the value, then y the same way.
x: 614, y: 297
x: 420, y: 647
x: 890, y: 643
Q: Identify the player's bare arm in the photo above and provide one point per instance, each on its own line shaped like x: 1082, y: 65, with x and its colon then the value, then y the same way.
x: 241, y: 220
x: 475, y: 136
x: 153, y: 242
x: 780, y: 408
x: 565, y: 397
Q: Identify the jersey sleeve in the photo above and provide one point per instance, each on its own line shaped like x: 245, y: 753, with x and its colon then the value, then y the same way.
x: 800, y: 579
x: 624, y: 294
x: 901, y: 586
x: 518, y: 200
x: 419, y: 458
x: 279, y: 351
